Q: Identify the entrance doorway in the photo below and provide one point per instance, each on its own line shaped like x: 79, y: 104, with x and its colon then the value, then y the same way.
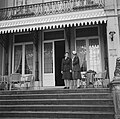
x: 53, y: 54
x: 59, y: 54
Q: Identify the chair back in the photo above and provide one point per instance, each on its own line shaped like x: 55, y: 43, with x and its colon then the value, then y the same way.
x: 15, y: 77
x: 101, y: 75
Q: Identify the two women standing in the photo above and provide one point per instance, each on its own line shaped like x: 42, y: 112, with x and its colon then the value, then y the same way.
x: 70, y: 69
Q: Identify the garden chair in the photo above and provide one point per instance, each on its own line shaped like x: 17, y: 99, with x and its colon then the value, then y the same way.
x: 99, y: 79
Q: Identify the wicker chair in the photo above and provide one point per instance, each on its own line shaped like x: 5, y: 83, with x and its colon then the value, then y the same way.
x: 99, y: 79
x: 15, y: 78
x: 4, y: 81
x: 28, y: 80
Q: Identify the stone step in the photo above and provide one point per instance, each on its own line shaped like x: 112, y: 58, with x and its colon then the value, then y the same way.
x: 57, y: 96
x: 56, y: 91
x: 57, y: 102
x: 73, y: 108
x: 89, y: 103
x: 58, y: 114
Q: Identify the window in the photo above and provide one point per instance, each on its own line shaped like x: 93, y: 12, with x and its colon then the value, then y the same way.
x: 23, y: 38
x: 23, y: 54
x: 18, y: 59
x: 86, y: 32
x: 48, y: 58
x: 20, y: 2
x: 88, y: 51
x: 82, y: 54
x: 23, y: 58
x: 52, y: 35
x: 94, y: 54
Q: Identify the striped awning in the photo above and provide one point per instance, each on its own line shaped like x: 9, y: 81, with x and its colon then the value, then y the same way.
x: 54, y: 21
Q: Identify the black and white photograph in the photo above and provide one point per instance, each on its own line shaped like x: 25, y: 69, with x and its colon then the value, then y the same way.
x: 59, y: 59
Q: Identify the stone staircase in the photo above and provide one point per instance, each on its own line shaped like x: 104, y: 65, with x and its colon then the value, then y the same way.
x: 89, y: 103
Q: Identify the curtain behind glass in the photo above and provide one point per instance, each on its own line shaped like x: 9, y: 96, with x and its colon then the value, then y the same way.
x: 29, y: 59
x: 48, y: 58
x: 94, y: 55
x: 17, y: 58
x: 81, y: 51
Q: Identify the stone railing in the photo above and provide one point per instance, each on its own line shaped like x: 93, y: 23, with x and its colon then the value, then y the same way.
x: 49, y: 8
x: 115, y: 86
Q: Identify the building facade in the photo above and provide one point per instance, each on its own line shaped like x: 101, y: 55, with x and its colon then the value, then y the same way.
x: 35, y: 35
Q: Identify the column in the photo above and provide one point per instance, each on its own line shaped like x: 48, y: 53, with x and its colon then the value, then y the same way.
x: 113, y: 45
x: 67, y: 39
x: 36, y: 63
x: 40, y: 58
x: 10, y: 54
x: 72, y: 39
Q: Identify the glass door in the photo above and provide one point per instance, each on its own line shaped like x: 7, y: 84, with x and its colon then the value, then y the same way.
x: 82, y: 54
x: 88, y: 51
x: 48, y: 68
x: 94, y: 55
x: 23, y: 59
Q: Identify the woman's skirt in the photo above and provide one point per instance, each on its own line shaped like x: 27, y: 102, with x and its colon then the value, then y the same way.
x: 76, y: 75
x: 67, y: 75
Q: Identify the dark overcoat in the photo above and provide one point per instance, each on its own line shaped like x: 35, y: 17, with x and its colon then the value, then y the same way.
x: 76, y: 72
x: 76, y: 64
x: 66, y: 66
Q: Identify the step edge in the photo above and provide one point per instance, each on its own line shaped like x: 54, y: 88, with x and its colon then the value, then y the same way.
x: 57, y: 106
x: 57, y: 94
x: 63, y: 112
x: 57, y: 99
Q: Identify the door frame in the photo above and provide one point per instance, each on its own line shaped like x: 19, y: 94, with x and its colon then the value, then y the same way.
x: 53, y: 43
x: 43, y: 63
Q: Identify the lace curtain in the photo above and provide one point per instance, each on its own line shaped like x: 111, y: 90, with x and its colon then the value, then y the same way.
x: 94, y: 55
x: 17, y: 57
x: 48, y: 58
x: 81, y: 51
x: 29, y: 58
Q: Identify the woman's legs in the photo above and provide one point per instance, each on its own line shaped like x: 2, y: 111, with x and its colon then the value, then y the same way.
x: 75, y: 84
x: 78, y: 82
x: 67, y: 83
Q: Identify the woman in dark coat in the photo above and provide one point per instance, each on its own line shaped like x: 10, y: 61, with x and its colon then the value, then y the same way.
x: 76, y: 72
x: 66, y: 70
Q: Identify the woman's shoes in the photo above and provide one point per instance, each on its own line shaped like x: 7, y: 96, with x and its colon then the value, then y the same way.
x: 66, y: 87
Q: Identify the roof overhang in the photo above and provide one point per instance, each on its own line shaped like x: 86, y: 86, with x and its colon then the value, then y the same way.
x: 54, y: 21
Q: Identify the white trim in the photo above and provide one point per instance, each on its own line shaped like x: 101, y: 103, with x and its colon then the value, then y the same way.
x: 52, y: 75
x: 53, y: 46
x: 58, y: 21
x: 54, y: 62
x: 23, y: 59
